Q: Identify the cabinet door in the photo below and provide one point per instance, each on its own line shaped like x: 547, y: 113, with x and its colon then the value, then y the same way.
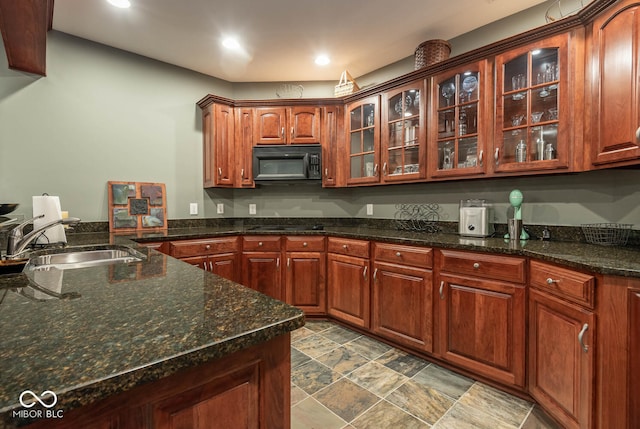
x: 561, y: 359
x: 362, y: 155
x: 223, y: 146
x: 482, y: 327
x: 615, y: 70
x: 270, y: 125
x: 225, y: 265
x: 348, y: 294
x: 402, y: 308
x: 305, y: 281
x: 304, y: 125
x: 462, y: 105
x: 634, y: 358
x: 244, y: 147
x: 198, y: 261
x: 534, y: 110
x: 208, y: 173
x: 403, y: 136
x: 261, y: 271
x: 332, y: 138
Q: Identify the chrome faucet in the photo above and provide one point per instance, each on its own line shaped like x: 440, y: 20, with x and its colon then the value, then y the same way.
x: 17, y: 242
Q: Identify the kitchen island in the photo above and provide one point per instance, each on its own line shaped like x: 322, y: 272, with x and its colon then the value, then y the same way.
x: 156, y: 343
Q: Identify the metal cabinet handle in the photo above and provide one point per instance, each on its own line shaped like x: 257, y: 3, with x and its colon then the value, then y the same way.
x: 344, y: 246
x: 476, y: 265
x: 398, y: 254
x: 326, y: 172
x: 204, y: 265
x: 441, y: 289
x: 384, y: 169
x: 210, y: 266
x: 282, y: 132
x: 288, y: 262
x: 208, y: 246
x: 242, y: 173
x: 364, y: 273
x: 278, y: 262
x: 219, y: 172
x: 585, y: 348
x: 305, y: 244
x: 496, y: 156
x: 551, y: 281
x: 638, y: 135
x: 481, y: 157
x: 375, y: 275
x: 291, y: 132
x: 259, y: 243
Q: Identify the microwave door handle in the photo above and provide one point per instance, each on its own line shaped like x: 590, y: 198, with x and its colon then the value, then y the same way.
x: 306, y: 165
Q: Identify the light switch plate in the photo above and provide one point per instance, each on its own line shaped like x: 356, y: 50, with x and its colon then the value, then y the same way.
x: 193, y: 208
x: 252, y: 209
x: 220, y: 208
x: 369, y: 209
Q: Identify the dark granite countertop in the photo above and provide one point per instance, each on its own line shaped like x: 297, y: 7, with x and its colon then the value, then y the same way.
x: 140, y: 322
x: 122, y: 325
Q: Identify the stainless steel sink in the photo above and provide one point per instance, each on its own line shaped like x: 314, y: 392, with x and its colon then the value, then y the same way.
x: 76, y: 257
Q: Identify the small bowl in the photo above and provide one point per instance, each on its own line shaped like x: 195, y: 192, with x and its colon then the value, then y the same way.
x: 7, y: 208
x: 536, y: 116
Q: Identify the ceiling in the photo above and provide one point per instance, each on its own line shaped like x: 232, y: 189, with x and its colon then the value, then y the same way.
x: 281, y: 38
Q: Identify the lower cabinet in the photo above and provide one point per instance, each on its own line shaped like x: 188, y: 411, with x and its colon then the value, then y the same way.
x: 402, y: 304
x: 348, y: 291
x: 481, y: 323
x: 305, y: 275
x: 218, y: 255
x: 261, y: 265
x: 633, y: 359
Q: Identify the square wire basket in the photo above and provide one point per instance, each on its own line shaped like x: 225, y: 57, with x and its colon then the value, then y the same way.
x: 607, y: 234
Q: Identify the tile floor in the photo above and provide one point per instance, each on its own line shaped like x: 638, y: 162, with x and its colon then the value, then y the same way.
x: 342, y: 379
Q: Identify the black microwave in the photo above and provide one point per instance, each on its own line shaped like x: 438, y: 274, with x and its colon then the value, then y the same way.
x: 287, y: 163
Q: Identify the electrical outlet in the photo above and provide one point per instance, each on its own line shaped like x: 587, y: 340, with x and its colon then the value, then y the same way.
x: 220, y: 208
x: 193, y: 208
x: 252, y: 209
x: 369, y: 209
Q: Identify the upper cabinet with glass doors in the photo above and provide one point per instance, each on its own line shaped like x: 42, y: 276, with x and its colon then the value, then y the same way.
x: 363, y: 142
x: 403, y: 138
x: 534, y: 118
x: 461, y: 105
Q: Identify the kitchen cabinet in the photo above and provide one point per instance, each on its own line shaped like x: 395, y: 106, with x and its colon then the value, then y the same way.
x: 332, y: 139
x: 633, y: 358
x: 261, y: 264
x: 538, y: 105
x: 402, y: 305
x: 305, y: 275
x: 462, y: 104
x: 403, y: 133
x: 613, y: 124
x: 287, y: 125
x: 217, y: 255
x: 481, y: 305
x: 244, y: 147
x: 218, y: 146
x: 362, y: 149
x: 348, y: 288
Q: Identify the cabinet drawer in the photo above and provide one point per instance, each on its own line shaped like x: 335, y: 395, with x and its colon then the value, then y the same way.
x: 421, y: 257
x: 506, y: 268
x: 346, y: 246
x: 304, y: 244
x: 571, y: 285
x: 201, y: 247
x: 261, y: 243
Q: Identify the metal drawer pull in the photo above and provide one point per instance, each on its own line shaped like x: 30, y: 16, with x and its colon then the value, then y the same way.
x: 344, y: 246
x: 476, y: 265
x: 305, y: 244
x: 260, y: 243
x: 375, y: 275
x: 551, y: 281
x: 585, y: 348
x: 442, y: 289
x: 208, y: 246
x: 398, y: 254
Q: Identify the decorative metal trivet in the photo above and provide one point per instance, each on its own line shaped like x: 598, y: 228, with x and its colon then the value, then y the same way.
x: 417, y: 217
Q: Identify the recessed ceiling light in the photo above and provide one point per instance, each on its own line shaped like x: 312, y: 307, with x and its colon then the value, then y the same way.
x: 231, y: 43
x: 120, y: 3
x: 322, y: 60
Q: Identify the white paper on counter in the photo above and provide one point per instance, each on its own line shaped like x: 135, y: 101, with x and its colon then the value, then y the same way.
x: 50, y: 207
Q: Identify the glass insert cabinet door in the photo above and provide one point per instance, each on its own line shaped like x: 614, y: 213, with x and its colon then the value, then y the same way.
x: 460, y: 130
x: 531, y: 120
x: 403, y: 138
x: 363, y: 141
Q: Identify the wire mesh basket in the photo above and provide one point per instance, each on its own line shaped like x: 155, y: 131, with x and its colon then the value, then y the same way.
x: 607, y: 234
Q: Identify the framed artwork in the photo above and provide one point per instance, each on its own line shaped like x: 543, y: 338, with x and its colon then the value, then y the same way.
x: 137, y: 206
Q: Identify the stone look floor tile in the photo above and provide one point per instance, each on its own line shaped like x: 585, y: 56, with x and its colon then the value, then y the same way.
x: 297, y: 395
x: 500, y: 405
x: 539, y: 420
x: 462, y: 416
x: 444, y: 381
x: 368, y: 347
x: 300, y: 333
x: 298, y: 358
x: 346, y: 399
x: 319, y: 325
x: 342, y: 360
x: 377, y: 378
x: 340, y: 335
x: 402, y: 362
x: 384, y: 415
x: 315, y: 345
x: 427, y: 404
x: 310, y: 414
x: 313, y: 376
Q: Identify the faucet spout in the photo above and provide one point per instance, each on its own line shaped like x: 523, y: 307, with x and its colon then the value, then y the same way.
x: 17, y: 242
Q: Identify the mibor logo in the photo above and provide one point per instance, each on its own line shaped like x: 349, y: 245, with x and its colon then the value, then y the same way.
x: 47, y: 399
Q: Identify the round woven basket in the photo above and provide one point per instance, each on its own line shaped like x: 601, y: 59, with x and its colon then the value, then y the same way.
x: 431, y: 52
